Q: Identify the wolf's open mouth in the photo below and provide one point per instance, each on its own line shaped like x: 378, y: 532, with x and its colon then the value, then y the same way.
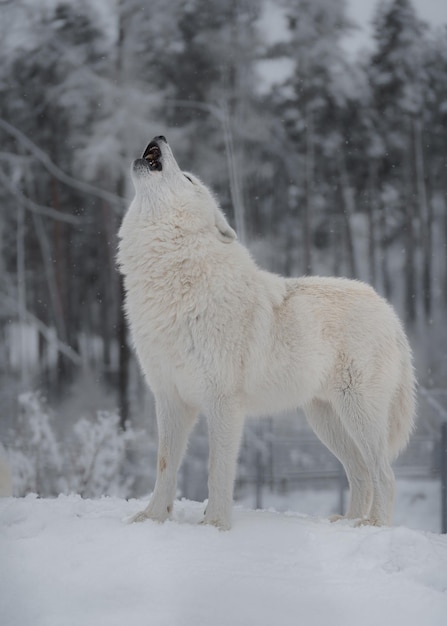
x: 152, y: 154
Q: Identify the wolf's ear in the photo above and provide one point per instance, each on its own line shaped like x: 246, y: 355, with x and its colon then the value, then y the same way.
x: 224, y: 231
x: 227, y: 236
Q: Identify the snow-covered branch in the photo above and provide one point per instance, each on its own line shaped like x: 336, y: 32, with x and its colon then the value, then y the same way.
x: 34, y: 207
x: 39, y: 154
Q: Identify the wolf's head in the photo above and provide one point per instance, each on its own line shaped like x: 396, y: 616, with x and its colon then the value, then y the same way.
x: 162, y: 188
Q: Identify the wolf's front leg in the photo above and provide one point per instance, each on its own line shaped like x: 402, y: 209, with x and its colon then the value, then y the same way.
x: 225, y: 431
x: 175, y: 421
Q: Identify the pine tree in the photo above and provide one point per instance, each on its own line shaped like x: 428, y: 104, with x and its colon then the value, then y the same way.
x: 311, y: 103
x: 398, y: 81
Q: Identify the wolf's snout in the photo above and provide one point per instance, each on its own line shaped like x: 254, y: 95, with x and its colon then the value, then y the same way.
x: 153, y: 155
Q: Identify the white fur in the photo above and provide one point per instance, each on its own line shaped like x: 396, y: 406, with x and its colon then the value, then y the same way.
x: 216, y: 334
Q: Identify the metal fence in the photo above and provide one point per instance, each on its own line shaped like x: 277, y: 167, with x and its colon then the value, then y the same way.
x: 283, y: 459
x: 283, y: 464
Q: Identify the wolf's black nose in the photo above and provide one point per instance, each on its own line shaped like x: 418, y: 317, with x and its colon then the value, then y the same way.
x: 162, y: 138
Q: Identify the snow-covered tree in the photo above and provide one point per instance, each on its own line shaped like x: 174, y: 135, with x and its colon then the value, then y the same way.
x: 398, y: 79
x: 338, y: 168
x: 310, y: 103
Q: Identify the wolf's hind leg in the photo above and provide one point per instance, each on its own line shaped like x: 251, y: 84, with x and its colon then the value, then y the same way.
x: 326, y: 423
x: 366, y: 423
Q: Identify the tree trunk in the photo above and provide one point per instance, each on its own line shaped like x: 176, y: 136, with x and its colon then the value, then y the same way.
x: 64, y: 367
x: 384, y: 269
x: 445, y: 248
x: 235, y: 184
x: 124, y: 353
x: 348, y: 212
x: 109, y: 280
x: 21, y: 292
x: 426, y: 213
x: 372, y: 210
x: 124, y: 358
x: 307, y: 207
x: 410, y: 265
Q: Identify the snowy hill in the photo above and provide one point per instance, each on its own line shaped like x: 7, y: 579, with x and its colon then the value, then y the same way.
x: 69, y: 561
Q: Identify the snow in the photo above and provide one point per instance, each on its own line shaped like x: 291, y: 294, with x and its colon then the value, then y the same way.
x: 417, y: 504
x: 70, y: 561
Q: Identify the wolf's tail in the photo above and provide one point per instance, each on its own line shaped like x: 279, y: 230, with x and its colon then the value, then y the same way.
x: 402, y: 415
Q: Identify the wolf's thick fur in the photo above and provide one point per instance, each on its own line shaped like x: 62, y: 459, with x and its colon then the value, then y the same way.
x: 216, y: 334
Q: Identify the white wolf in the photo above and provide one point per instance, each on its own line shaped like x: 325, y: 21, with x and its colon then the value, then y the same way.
x: 216, y: 334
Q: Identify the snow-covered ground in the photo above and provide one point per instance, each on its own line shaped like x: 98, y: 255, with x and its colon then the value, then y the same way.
x: 417, y: 504
x: 74, y: 562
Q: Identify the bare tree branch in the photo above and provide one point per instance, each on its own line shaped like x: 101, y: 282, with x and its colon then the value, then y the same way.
x: 112, y: 198
x: 39, y: 208
x: 44, y: 330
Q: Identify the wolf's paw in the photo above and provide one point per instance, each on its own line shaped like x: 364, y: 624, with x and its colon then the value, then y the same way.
x: 146, y: 514
x: 368, y: 521
x: 349, y: 519
x: 336, y: 518
x: 217, y: 524
x: 222, y: 522
x: 142, y: 516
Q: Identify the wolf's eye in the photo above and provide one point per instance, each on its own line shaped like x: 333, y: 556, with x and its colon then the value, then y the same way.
x: 190, y: 179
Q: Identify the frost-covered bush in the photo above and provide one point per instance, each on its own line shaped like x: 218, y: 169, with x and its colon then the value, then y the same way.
x: 34, y: 454
x: 91, y: 460
x: 98, y: 456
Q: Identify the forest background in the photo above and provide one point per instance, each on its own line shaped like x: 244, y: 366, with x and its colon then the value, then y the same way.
x: 325, y: 162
